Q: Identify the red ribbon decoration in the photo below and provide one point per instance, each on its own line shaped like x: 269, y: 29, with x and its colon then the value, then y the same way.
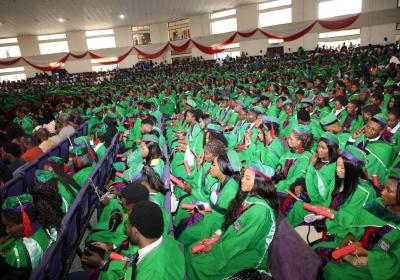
x: 214, y: 49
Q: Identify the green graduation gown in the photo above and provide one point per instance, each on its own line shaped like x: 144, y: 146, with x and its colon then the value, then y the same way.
x: 162, y: 263
x: 383, y: 258
x: 319, y: 185
x: 293, y: 167
x: 379, y: 156
x: 339, y: 227
x: 25, y: 252
x: 220, y: 198
x: 242, y: 246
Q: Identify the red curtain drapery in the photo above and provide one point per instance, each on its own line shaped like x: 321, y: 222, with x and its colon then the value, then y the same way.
x: 291, y: 37
x: 338, y: 24
x: 10, y: 62
x: 214, y: 49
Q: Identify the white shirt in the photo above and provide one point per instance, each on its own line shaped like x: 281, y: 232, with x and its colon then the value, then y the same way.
x: 339, y: 111
x: 146, y: 250
x: 394, y: 129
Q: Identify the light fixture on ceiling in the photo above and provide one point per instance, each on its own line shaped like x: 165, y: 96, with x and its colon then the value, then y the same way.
x: 121, y: 16
x: 61, y: 20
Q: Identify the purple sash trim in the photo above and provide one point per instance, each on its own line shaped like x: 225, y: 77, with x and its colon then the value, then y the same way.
x: 119, y: 186
x: 337, y: 201
x: 19, y: 209
x: 329, y: 142
x: 194, y: 218
x: 351, y: 158
x: 378, y: 122
x: 150, y: 140
x: 259, y: 173
x: 376, y: 236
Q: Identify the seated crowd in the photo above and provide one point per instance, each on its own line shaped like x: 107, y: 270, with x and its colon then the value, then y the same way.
x: 311, y: 136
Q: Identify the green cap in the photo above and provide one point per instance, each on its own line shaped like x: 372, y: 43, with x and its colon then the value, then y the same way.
x: 302, y: 130
x: 79, y: 151
x: 354, y: 155
x: 323, y: 94
x: 191, y: 103
x: 330, y: 139
x: 150, y: 138
x: 44, y: 176
x: 96, y: 110
x: 234, y: 160
x: 100, y: 129
x: 328, y: 120
x: 262, y: 170
x: 389, y: 83
x: 287, y: 102
x: 15, y: 202
x: 270, y: 119
x: 307, y: 100
x: 56, y: 159
x: 133, y: 173
x: 379, y: 119
x: 215, y: 127
x: 82, y: 140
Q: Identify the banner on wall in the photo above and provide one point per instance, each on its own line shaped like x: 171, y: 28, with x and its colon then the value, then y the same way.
x: 214, y: 49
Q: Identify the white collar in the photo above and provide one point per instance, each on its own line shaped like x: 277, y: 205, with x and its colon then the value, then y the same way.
x: 270, y: 104
x: 374, y: 139
x: 149, y: 248
x: 394, y: 129
x: 339, y: 111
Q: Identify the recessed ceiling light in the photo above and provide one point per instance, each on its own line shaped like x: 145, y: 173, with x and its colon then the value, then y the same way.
x: 61, y: 20
x: 121, y: 16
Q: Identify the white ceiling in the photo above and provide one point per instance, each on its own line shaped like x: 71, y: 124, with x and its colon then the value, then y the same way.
x: 23, y: 17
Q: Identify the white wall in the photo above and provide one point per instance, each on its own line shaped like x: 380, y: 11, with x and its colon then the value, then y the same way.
x: 376, y: 22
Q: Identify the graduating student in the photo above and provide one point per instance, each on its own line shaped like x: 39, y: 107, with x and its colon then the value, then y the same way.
x: 113, y: 231
x: 27, y: 239
x: 198, y: 186
x: 226, y: 169
x: 268, y: 147
x: 380, y: 154
x: 67, y: 187
x: 378, y: 256
x: 294, y: 163
x: 392, y: 132
x: 351, y: 192
x: 319, y: 181
x: 192, y: 138
x: 287, y: 118
x: 159, y: 256
x: 248, y: 230
x: 353, y: 119
x: 151, y: 153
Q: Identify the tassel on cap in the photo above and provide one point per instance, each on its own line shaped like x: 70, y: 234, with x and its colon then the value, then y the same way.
x: 26, y: 222
x: 300, y: 149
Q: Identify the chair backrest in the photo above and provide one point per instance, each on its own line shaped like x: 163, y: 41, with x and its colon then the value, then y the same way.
x: 15, y: 186
x: 289, y: 255
x: 29, y: 172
